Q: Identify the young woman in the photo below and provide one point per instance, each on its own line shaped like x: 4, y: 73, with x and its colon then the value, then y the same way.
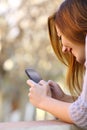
x: 67, y: 30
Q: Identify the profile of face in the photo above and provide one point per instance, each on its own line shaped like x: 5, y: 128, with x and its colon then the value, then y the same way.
x: 78, y: 50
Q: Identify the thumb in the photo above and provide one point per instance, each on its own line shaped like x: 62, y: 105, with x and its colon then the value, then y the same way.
x: 31, y: 83
x: 50, y: 82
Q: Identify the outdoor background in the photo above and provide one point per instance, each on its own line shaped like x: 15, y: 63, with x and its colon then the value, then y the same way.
x: 24, y: 42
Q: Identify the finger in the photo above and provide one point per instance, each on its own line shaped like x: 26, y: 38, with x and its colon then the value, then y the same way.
x: 52, y: 85
x: 30, y: 89
x: 29, y: 94
x: 42, y: 82
x: 31, y: 83
x: 50, y: 82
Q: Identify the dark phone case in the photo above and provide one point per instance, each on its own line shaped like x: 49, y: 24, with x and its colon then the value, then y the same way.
x: 33, y: 75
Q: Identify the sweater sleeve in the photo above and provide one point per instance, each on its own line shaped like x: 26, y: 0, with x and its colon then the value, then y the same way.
x: 78, y: 109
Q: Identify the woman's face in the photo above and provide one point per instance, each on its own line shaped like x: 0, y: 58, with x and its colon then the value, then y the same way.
x: 78, y: 50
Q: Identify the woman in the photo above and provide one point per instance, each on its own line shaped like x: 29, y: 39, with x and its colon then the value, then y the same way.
x: 67, y: 30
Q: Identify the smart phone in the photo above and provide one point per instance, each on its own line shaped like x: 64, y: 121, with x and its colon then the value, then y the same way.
x: 33, y: 75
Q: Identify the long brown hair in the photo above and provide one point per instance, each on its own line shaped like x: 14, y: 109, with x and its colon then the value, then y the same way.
x: 71, y: 19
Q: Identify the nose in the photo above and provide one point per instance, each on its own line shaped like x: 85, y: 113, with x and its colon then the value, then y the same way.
x: 64, y: 49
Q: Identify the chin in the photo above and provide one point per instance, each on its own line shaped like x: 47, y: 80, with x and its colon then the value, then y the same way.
x: 81, y: 61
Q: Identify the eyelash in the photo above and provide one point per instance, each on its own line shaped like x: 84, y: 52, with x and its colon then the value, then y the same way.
x: 60, y: 39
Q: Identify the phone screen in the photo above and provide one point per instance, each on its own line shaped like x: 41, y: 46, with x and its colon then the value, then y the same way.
x: 33, y: 75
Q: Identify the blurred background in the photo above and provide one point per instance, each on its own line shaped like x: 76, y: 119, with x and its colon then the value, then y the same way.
x: 24, y: 42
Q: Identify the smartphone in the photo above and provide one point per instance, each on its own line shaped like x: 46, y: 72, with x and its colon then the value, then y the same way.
x: 33, y: 75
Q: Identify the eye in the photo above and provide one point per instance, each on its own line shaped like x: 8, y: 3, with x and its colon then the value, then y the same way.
x: 60, y: 39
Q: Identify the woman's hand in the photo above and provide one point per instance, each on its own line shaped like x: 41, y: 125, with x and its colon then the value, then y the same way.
x: 38, y: 92
x: 56, y: 91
